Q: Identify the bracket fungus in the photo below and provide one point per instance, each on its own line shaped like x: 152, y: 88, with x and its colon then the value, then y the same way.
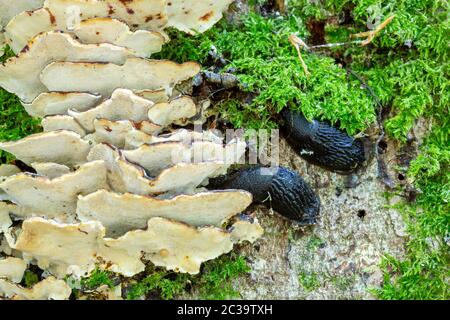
x: 245, y: 228
x: 55, y: 123
x: 166, y: 113
x: 10, y: 9
x: 2, y: 44
x: 58, y: 103
x: 123, y: 105
x: 55, y: 198
x: 135, y: 138
x: 12, y: 269
x: 20, y: 75
x: 64, y: 15
x: 60, y: 248
x: 115, y: 132
x: 142, y: 43
x: 104, y: 78
x: 167, y: 243
x: 10, y: 210
x: 5, y: 219
x: 158, y: 156
x: 187, y: 136
x: 48, y: 289
x: 105, y: 30
x: 113, y: 19
x: 7, y: 170
x: 120, y: 213
x: 110, y: 132
x: 155, y: 95
x: 195, y: 16
x: 135, y: 13
x: 125, y: 177
x: 63, y: 147
x: 50, y: 170
x: 111, y: 182
x: 75, y: 249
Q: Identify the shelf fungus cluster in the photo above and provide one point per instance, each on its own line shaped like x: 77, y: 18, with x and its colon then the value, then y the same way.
x: 110, y: 182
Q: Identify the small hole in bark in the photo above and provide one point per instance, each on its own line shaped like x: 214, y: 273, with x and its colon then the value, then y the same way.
x: 401, y: 177
x: 361, y: 214
x: 383, y: 145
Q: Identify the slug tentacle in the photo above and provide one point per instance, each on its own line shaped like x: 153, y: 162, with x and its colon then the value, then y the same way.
x: 284, y: 191
x: 321, y: 144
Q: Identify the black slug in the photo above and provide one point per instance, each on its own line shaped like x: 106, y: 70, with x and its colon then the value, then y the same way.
x: 321, y: 144
x: 284, y: 191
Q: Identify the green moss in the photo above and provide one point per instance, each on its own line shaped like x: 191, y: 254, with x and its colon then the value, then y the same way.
x: 425, y: 273
x: 407, y: 66
x: 415, y: 88
x: 309, y: 281
x: 97, y: 279
x: 413, y: 80
x: 267, y: 64
x: 15, y: 123
x: 166, y: 284
x: 30, y: 278
x: 216, y: 279
x: 214, y: 282
x: 314, y: 243
x: 342, y: 283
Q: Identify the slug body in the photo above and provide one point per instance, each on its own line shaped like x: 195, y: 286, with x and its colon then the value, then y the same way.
x: 284, y: 191
x: 321, y: 144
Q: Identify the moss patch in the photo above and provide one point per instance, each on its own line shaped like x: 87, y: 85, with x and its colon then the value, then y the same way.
x: 97, y: 279
x: 214, y: 282
x: 266, y: 63
x: 425, y: 273
x: 407, y: 66
x: 309, y: 281
x: 30, y: 279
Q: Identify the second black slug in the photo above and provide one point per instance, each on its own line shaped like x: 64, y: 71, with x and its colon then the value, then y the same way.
x: 321, y: 144
x: 283, y: 190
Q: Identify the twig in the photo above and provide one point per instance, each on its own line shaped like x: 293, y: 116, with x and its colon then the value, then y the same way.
x: 298, y: 45
x: 370, y: 35
x: 337, y: 44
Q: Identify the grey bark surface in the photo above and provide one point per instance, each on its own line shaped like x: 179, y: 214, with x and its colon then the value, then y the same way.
x: 341, y: 254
